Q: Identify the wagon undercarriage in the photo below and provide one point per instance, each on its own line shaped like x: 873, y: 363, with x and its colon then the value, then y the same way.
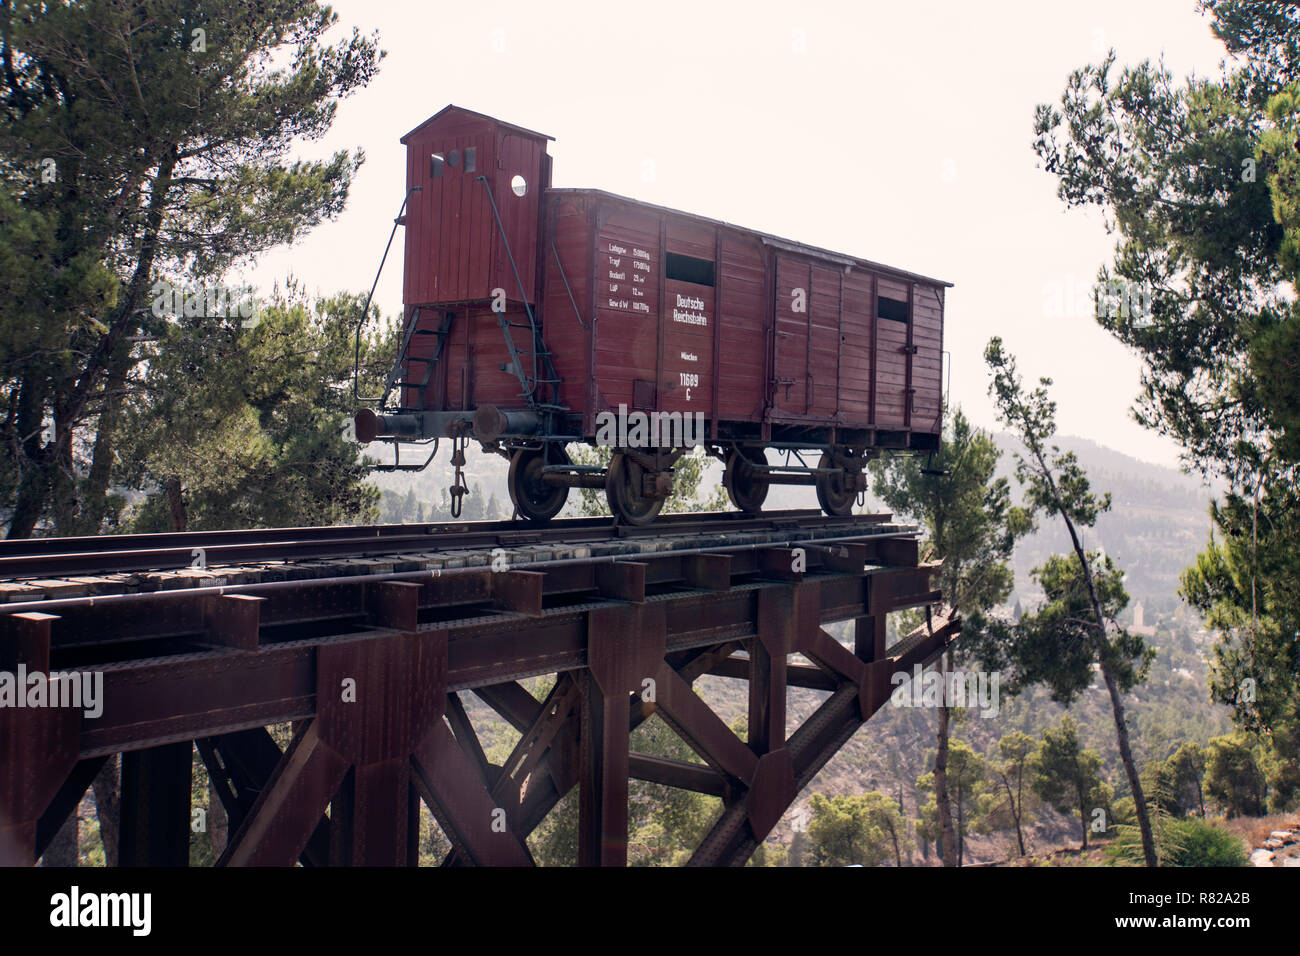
x: 638, y: 480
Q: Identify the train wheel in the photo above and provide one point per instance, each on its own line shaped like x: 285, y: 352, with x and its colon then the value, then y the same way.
x: 533, y: 498
x: 835, y: 492
x: 623, y: 489
x: 744, y: 486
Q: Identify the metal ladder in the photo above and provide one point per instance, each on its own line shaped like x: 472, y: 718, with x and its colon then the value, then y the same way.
x: 443, y: 332
x: 539, y: 353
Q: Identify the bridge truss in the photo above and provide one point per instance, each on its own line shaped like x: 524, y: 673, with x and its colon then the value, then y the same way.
x: 373, y: 671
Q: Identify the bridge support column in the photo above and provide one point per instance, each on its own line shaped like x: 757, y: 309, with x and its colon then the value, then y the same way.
x: 625, y: 648
x: 39, y: 744
x: 155, y: 829
x: 767, y: 669
x: 869, y: 633
x: 376, y: 699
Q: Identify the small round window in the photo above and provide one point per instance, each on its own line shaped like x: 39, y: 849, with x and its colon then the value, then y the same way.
x: 519, y: 185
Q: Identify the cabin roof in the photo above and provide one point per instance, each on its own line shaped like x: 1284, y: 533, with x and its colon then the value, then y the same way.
x: 450, y: 107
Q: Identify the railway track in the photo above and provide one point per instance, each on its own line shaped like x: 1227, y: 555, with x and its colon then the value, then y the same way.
x: 202, y: 554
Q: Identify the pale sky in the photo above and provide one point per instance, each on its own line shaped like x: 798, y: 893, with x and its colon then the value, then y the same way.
x: 898, y: 132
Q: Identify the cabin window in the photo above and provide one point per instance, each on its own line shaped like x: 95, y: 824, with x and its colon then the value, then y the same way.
x: 893, y: 309
x: 688, y: 269
x: 471, y: 159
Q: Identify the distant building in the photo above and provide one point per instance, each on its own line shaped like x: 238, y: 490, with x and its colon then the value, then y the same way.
x: 1139, y: 626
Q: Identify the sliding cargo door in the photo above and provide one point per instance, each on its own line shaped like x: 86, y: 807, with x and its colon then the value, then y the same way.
x: 792, y: 390
x: 927, y: 362
x: 893, y: 351
x: 824, y: 342
x: 857, y: 321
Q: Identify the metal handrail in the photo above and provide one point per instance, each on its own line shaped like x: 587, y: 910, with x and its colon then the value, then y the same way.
x: 356, y: 354
x: 530, y: 391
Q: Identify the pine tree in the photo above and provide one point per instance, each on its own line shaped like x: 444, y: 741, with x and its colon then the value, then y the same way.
x: 1077, y: 627
x: 1068, y: 776
x: 1012, y: 772
x: 1200, y: 181
x: 141, y: 140
x: 972, y: 527
x: 246, y: 428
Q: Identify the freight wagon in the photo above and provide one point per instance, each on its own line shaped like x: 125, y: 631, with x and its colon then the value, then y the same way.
x: 538, y: 317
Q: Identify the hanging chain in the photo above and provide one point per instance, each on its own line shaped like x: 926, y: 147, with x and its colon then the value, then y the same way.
x: 458, y: 490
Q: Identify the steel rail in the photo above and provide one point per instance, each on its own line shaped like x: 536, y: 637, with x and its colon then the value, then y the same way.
x: 266, y: 588
x: 45, y: 557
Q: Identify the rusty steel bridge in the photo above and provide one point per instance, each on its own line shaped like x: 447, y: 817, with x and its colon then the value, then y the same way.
x: 367, y: 639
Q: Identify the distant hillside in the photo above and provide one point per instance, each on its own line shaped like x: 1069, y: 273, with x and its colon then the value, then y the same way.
x: 1158, y: 522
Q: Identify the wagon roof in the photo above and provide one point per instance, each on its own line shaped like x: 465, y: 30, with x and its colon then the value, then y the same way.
x: 776, y: 242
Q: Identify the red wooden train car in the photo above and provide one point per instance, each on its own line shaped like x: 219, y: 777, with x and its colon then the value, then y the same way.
x: 536, y: 317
